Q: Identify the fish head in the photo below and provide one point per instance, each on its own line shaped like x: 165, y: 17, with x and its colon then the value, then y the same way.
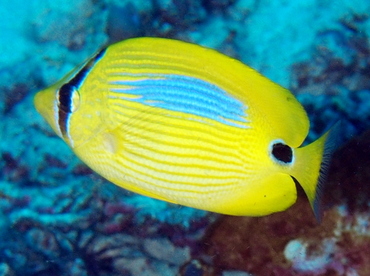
x: 45, y: 102
x: 74, y: 112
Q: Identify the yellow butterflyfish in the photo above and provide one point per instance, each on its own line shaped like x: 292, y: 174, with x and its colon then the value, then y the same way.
x: 186, y: 124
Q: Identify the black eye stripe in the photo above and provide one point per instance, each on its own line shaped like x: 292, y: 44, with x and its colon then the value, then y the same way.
x: 65, y: 106
x: 65, y: 97
x: 282, y: 152
x: 65, y: 93
x: 67, y: 90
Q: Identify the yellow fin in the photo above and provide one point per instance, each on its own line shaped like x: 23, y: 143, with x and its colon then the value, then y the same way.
x: 312, y: 165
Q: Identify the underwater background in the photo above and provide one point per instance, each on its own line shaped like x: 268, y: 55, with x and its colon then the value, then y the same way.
x: 60, y: 218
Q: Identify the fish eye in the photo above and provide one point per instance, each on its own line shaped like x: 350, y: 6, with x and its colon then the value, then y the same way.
x: 282, y: 153
x: 68, y: 98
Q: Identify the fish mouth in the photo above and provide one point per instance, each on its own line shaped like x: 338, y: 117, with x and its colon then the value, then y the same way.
x: 45, y: 104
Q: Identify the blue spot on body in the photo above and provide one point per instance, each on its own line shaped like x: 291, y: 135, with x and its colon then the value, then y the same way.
x: 183, y: 94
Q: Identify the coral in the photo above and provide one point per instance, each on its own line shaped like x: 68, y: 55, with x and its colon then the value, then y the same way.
x: 335, y: 84
x: 93, y: 233
x: 304, y: 258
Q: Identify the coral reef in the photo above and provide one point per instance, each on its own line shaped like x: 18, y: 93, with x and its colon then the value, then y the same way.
x: 93, y: 232
x: 335, y: 83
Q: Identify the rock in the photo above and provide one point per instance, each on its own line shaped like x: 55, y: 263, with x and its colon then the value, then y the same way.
x: 164, y: 250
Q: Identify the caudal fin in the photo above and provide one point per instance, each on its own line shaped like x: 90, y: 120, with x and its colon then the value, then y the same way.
x: 312, y: 166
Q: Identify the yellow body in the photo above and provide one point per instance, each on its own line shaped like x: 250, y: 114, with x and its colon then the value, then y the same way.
x: 186, y: 124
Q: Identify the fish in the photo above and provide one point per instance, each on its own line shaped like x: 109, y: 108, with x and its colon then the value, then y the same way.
x: 186, y: 124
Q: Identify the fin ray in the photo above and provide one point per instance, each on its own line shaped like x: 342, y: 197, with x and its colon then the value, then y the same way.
x: 313, y: 164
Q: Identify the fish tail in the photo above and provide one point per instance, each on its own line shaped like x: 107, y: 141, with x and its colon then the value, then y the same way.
x: 312, y: 167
